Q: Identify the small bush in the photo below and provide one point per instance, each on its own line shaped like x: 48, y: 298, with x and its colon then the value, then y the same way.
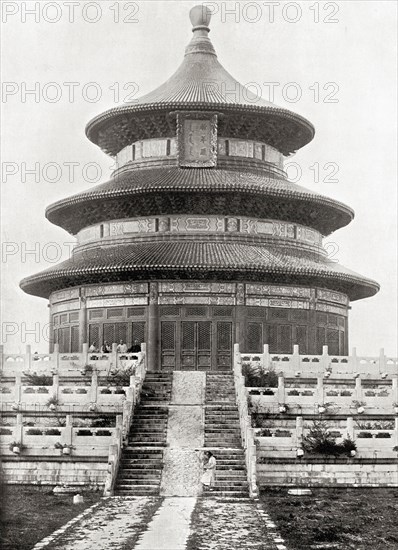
x: 320, y: 440
x: 365, y: 435
x: 34, y: 379
x: 53, y: 431
x: 383, y: 435
x: 34, y: 431
x: 103, y: 432
x: 84, y: 432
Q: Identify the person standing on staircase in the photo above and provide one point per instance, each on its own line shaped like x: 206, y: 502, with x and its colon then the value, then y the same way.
x: 209, y: 475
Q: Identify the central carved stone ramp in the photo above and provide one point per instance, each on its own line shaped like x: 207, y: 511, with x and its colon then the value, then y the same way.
x: 223, y: 437
x: 141, y: 463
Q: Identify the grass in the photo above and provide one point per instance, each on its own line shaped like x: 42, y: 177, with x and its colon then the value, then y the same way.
x: 336, y: 519
x: 30, y: 513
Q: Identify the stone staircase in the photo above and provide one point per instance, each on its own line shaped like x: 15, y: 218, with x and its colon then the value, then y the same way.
x: 141, y: 463
x: 223, y: 437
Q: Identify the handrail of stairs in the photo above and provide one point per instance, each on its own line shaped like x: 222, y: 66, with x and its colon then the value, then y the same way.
x: 123, y: 427
x: 247, y: 431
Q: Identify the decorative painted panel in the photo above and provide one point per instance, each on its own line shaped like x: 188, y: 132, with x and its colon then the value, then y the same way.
x: 200, y: 300
x: 63, y: 295
x: 154, y: 148
x: 197, y: 139
x: 66, y: 306
x: 240, y: 148
x: 109, y: 302
x: 330, y: 296
x: 181, y: 287
x: 126, y: 288
x: 261, y: 289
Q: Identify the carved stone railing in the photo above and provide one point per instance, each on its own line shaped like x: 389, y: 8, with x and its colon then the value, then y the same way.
x: 121, y: 435
x: 247, y: 431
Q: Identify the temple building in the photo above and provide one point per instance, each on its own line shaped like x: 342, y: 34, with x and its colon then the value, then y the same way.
x: 199, y: 240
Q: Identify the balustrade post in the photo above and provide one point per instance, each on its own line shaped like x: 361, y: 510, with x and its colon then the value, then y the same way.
x: 28, y: 357
x: 18, y: 432
x: 354, y: 359
x: 236, y: 358
x: 67, y: 432
x: 319, y: 390
x: 325, y: 357
x: 94, y: 387
x: 350, y: 427
x: 382, y: 361
x: 266, y: 359
x: 114, y: 356
x: 55, y: 387
x: 18, y: 387
x: 281, y: 388
x: 55, y: 357
x: 296, y: 357
x: 299, y: 430
x: 84, y: 354
x: 358, y: 389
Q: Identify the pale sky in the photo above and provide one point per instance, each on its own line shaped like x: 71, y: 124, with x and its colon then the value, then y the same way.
x: 350, y: 62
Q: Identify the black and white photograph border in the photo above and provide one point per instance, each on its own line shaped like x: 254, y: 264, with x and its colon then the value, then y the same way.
x: 199, y: 275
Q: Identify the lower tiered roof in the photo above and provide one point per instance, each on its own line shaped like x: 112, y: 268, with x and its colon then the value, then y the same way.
x: 186, y: 259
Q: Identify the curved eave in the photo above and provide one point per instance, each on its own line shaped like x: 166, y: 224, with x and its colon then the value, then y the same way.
x: 196, y: 260
x: 299, y: 133
x: 152, y: 192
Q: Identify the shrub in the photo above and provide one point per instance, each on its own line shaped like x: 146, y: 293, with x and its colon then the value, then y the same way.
x: 81, y: 390
x: 120, y: 377
x: 34, y: 431
x: 265, y: 432
x: 254, y: 378
x: 103, y: 432
x: 365, y: 435
x: 34, y: 379
x: 84, y: 432
x: 107, y: 422
x: 383, y: 435
x: 42, y: 390
x: 53, y: 431
x: 5, y: 431
x: 321, y: 441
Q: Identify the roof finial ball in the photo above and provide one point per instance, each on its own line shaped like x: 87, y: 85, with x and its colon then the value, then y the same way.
x: 200, y: 17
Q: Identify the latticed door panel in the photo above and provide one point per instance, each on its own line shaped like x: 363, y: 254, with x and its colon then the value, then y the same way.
x: 254, y: 337
x: 120, y: 332
x: 188, y: 345
x: 224, y: 345
x: 320, y: 340
x: 285, y: 339
x: 94, y: 335
x: 74, y: 338
x: 168, y: 344
x: 64, y: 340
x: 332, y: 340
x: 273, y: 338
x: 138, y: 332
x: 301, y: 338
x: 109, y: 333
x: 204, y: 345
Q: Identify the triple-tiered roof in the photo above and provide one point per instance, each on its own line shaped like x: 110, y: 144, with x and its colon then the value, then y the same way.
x: 234, y: 186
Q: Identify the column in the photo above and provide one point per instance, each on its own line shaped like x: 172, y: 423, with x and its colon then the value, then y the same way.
x: 83, y: 336
x: 153, y: 345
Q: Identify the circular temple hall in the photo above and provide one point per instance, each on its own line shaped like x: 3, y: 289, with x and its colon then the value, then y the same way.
x: 199, y: 240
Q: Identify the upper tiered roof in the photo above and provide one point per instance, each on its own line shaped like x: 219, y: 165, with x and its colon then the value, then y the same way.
x: 200, y: 81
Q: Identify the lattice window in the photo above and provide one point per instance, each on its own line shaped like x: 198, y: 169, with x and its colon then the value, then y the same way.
x: 273, y: 338
x: 168, y: 331
x: 114, y: 312
x: 94, y: 335
x: 279, y: 313
x: 222, y: 311
x: 135, y: 312
x: 95, y: 314
x: 171, y: 311
x: 254, y: 337
x: 256, y: 311
x: 196, y: 311
x: 341, y: 322
x: 299, y: 315
x: 224, y: 336
x: 74, y: 339
x: 109, y: 333
x: 63, y: 318
x: 301, y: 338
x: 188, y: 335
x: 332, y: 319
x: 64, y: 340
x: 204, y: 335
x: 320, y: 339
x: 285, y: 345
x: 120, y: 332
x: 138, y: 332
x: 332, y: 340
x: 322, y: 318
x: 55, y: 320
x: 73, y: 316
